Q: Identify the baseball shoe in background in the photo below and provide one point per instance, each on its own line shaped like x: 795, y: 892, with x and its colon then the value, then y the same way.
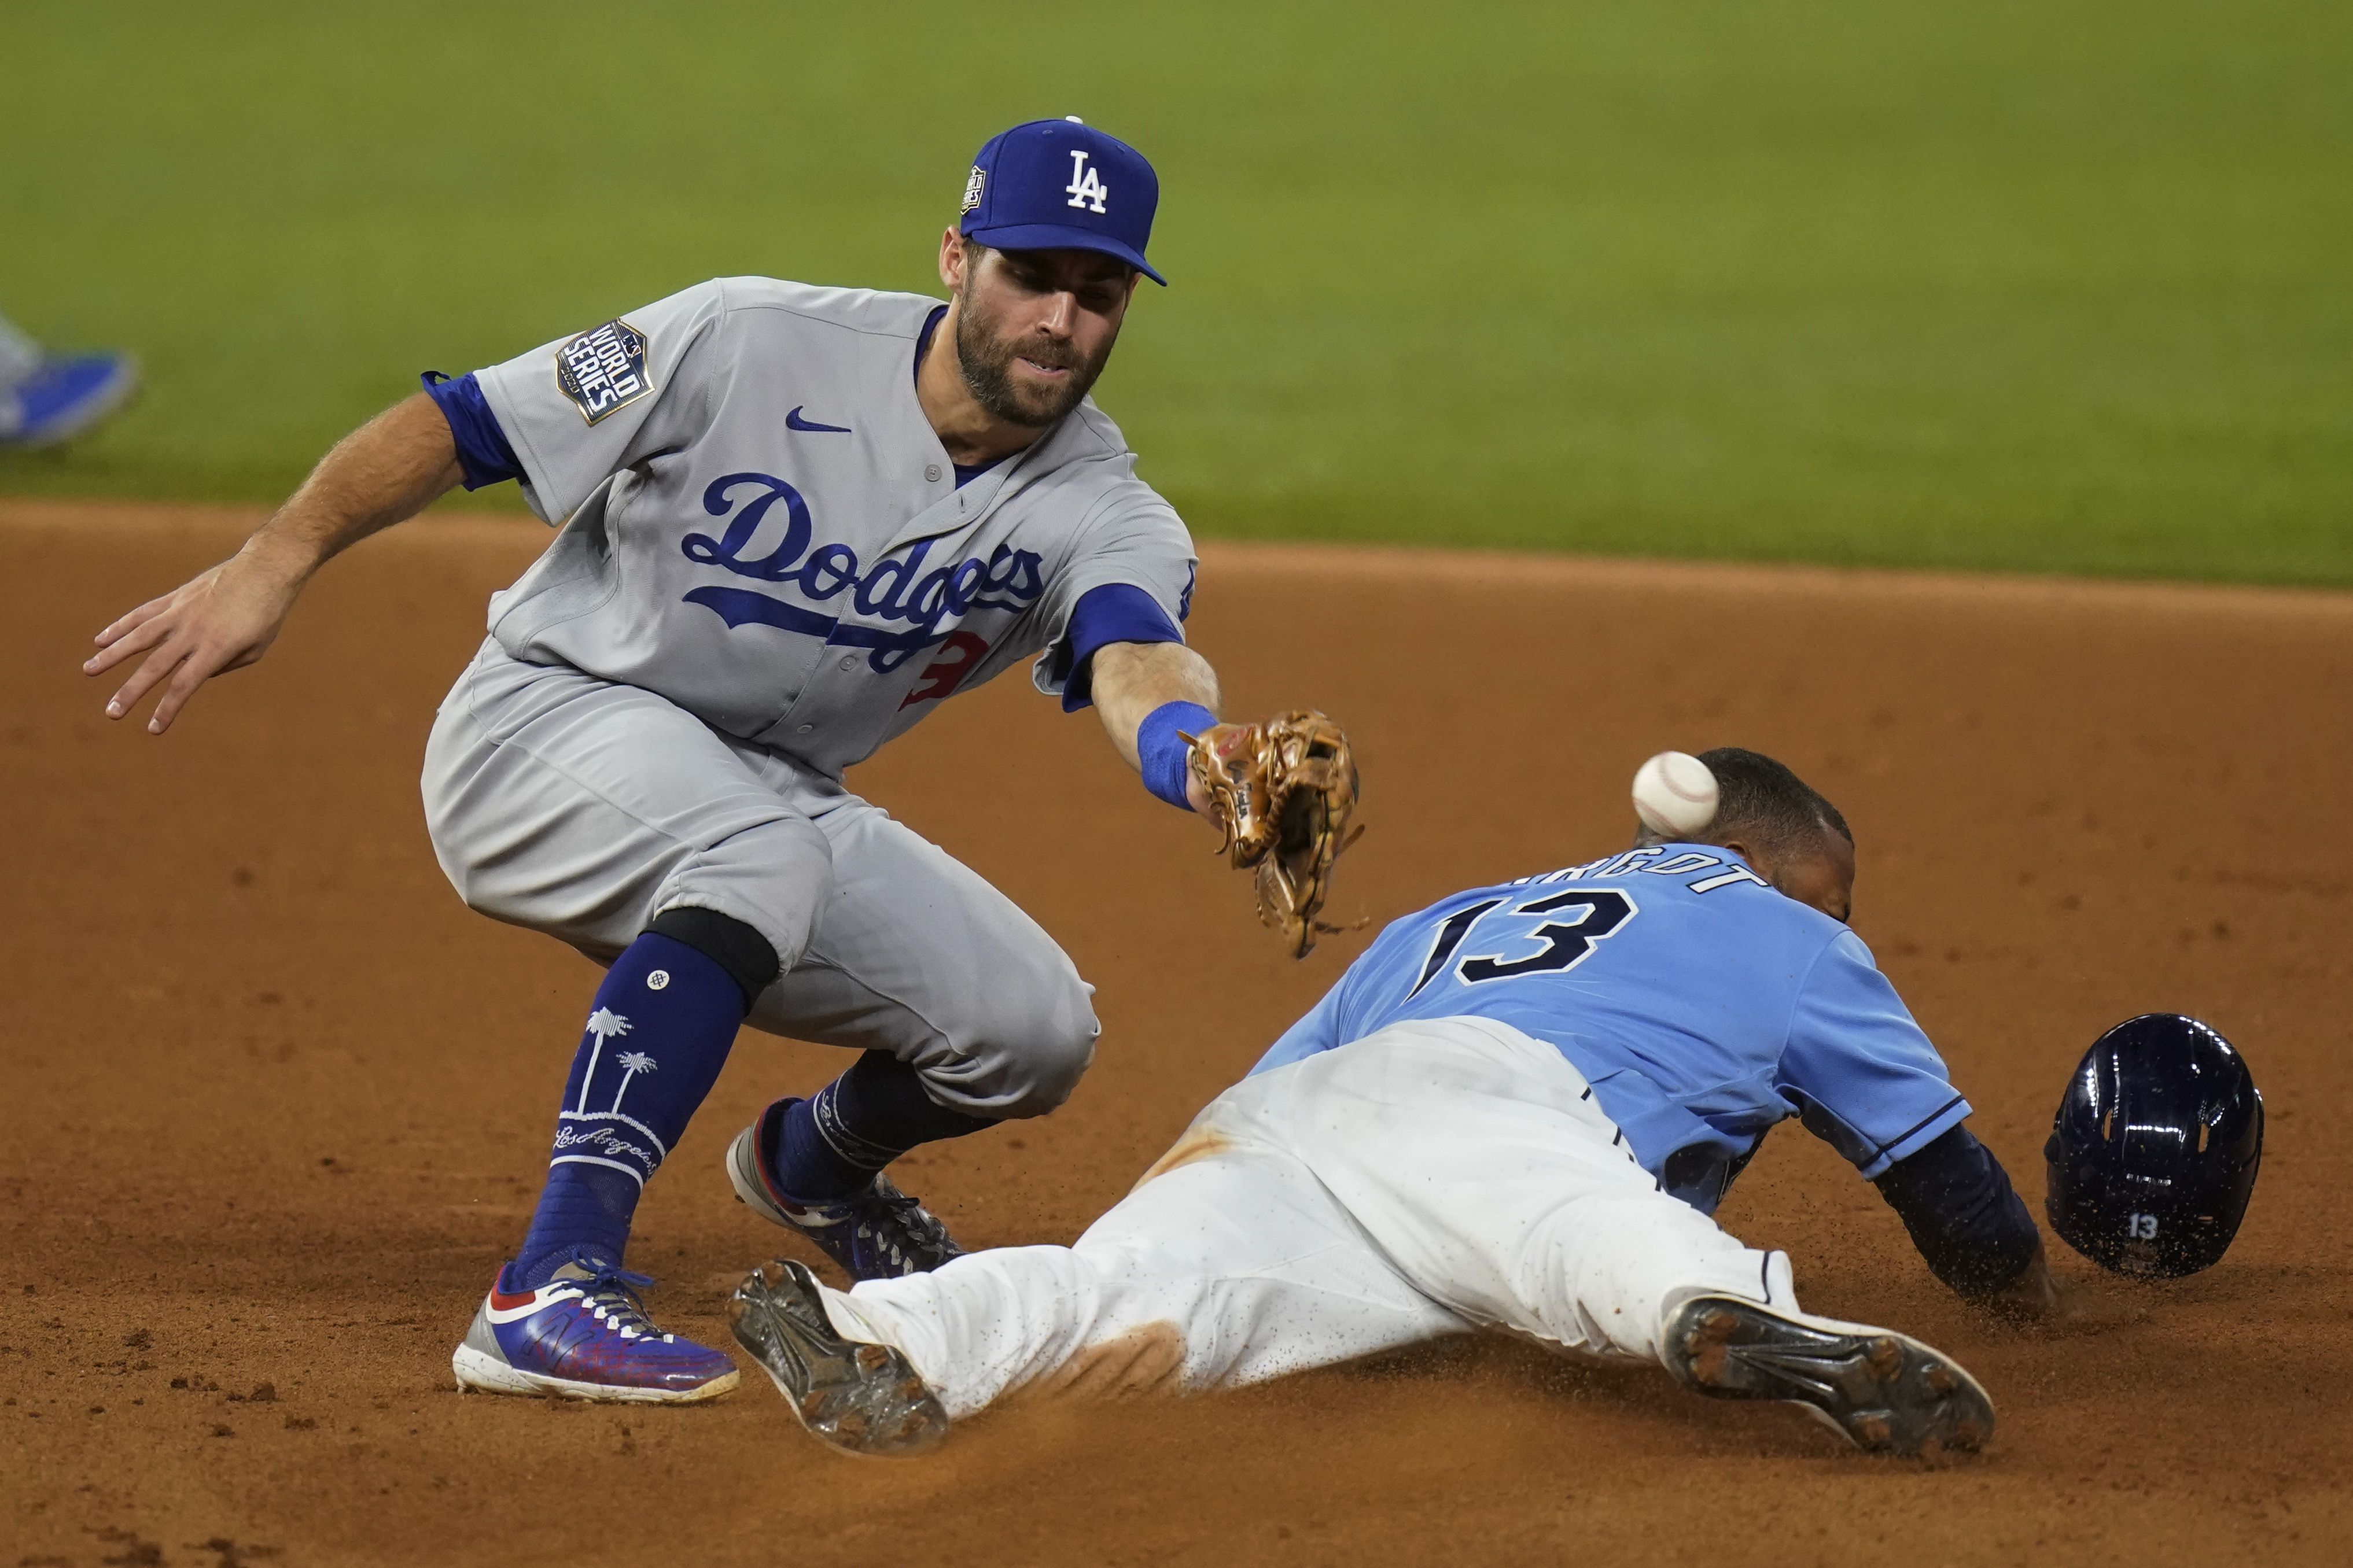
x: 584, y: 1335
x: 1880, y: 1391
x: 860, y: 1396
x: 879, y: 1233
x: 63, y: 397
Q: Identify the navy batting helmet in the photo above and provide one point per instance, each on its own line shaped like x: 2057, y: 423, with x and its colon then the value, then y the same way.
x: 2154, y: 1151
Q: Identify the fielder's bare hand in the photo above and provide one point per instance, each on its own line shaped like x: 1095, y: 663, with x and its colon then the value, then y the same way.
x: 225, y: 618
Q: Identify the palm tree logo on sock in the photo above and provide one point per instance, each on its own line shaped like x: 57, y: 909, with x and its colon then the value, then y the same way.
x: 603, y: 1023
x: 632, y: 1064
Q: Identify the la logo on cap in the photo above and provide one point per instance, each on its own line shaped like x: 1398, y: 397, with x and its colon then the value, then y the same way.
x: 1086, y: 186
x: 1086, y: 189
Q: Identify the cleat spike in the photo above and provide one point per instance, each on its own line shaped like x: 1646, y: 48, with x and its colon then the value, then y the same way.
x: 858, y: 1395
x: 1884, y: 1392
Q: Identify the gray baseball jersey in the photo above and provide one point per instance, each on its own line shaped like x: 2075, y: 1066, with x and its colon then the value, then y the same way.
x: 766, y: 571
x: 761, y: 526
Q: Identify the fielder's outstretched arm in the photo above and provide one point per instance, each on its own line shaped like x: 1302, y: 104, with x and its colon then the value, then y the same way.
x: 390, y: 469
x: 1134, y: 680
x: 1281, y: 792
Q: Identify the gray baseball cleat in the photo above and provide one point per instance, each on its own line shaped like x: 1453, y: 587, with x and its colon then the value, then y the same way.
x: 860, y: 1396
x: 1883, y: 1392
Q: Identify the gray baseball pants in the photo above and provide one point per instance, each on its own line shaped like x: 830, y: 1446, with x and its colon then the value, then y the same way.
x: 583, y: 809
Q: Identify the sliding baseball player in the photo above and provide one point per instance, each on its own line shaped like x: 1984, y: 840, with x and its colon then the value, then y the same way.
x: 1517, y: 1110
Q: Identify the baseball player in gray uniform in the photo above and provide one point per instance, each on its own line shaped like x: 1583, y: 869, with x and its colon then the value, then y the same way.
x: 793, y: 521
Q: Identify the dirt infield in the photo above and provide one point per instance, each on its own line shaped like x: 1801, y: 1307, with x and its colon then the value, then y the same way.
x: 276, y: 1104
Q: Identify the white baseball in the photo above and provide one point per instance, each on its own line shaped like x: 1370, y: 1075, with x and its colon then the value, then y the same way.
x: 1674, y: 794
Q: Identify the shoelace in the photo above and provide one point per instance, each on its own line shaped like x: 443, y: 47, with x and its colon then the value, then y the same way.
x: 911, y: 1219
x: 614, y: 1291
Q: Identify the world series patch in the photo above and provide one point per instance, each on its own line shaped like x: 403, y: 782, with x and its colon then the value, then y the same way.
x: 603, y: 369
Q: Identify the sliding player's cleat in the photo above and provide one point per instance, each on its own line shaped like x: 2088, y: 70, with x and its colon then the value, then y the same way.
x: 860, y: 1396
x: 1883, y: 1392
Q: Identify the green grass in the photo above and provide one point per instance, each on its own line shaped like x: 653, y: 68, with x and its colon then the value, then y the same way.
x: 2043, y: 286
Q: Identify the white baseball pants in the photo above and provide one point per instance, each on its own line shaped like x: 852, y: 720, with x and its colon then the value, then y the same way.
x: 1430, y: 1179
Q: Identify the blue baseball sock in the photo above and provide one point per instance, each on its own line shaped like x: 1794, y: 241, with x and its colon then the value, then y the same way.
x: 660, y: 1029
x: 831, y: 1143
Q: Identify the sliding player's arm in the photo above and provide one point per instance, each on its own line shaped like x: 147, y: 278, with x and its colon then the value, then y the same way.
x: 1868, y: 1081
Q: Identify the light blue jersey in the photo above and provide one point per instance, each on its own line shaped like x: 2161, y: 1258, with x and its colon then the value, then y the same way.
x: 1702, y: 1005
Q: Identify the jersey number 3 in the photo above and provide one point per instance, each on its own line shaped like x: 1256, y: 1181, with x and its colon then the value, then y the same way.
x: 1598, y: 912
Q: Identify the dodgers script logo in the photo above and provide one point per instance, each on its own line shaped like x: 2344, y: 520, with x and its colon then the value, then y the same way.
x: 917, y: 609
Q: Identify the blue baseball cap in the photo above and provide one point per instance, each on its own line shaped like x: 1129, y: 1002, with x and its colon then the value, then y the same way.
x: 1061, y: 184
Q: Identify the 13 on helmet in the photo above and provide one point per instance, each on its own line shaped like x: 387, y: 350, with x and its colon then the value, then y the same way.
x: 2154, y: 1151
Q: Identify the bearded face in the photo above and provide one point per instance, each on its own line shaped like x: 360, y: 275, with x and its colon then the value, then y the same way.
x: 1034, y: 328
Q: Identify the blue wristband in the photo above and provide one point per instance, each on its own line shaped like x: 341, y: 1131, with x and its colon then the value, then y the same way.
x: 1164, y: 753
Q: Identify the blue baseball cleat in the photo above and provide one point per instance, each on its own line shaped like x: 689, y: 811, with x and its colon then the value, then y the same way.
x: 64, y: 398
x: 879, y: 1233
x: 583, y: 1335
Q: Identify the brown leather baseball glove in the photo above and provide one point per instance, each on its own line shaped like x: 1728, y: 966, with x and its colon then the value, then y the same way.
x: 1282, y: 790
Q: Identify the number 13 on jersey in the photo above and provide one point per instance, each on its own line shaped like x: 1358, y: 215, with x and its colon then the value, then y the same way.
x: 1588, y: 915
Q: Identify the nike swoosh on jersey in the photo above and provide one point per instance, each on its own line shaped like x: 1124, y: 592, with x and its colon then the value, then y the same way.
x: 793, y: 421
